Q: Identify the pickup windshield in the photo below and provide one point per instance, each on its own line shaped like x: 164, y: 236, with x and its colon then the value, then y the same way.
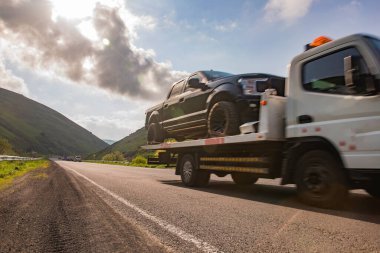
x: 212, y: 75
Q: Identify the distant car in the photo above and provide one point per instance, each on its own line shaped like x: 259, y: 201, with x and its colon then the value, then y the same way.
x: 77, y: 158
x: 209, y: 104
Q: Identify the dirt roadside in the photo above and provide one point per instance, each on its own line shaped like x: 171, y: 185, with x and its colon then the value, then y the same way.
x: 54, y: 212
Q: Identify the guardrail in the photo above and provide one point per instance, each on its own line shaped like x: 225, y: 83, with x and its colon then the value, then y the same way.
x: 16, y: 158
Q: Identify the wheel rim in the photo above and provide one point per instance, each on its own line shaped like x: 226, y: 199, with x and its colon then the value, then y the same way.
x: 218, y: 121
x: 317, y: 180
x: 187, y: 171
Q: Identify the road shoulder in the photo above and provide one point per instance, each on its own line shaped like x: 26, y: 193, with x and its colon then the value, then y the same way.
x: 54, y: 212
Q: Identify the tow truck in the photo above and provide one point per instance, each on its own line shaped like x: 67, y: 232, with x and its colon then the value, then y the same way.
x: 323, y: 135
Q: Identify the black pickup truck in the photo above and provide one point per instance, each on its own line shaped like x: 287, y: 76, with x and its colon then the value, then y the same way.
x: 209, y: 104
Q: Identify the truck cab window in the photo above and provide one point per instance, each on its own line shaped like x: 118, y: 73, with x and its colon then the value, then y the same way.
x: 326, y: 74
x: 177, y: 89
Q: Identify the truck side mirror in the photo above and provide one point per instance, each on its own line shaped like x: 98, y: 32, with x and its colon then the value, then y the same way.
x: 349, y: 72
x: 194, y: 83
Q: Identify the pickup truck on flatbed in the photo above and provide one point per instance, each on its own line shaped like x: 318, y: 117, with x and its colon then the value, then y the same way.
x: 209, y: 103
x: 323, y: 135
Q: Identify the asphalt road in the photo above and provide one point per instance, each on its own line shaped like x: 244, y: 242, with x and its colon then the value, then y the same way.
x: 83, y: 207
x: 223, y: 217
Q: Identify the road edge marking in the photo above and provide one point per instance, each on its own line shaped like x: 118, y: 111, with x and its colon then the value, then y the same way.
x: 200, y: 244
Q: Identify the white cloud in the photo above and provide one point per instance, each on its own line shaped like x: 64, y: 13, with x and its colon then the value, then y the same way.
x: 351, y: 7
x: 226, y: 27
x: 114, y: 126
x: 288, y: 11
x: 93, y: 45
x: 11, y: 82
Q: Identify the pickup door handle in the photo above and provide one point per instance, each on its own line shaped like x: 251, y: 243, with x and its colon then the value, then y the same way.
x: 303, y: 119
x: 181, y: 100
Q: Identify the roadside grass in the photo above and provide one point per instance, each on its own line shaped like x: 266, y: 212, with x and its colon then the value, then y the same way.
x: 9, y: 170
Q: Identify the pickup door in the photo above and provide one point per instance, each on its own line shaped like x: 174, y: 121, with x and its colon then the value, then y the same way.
x: 185, y: 108
x: 194, y: 105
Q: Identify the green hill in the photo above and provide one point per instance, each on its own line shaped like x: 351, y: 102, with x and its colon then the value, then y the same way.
x: 32, y: 127
x: 129, y: 146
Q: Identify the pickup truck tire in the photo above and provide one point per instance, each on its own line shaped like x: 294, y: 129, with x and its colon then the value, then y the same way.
x: 190, y: 175
x: 320, y: 180
x: 243, y: 178
x: 155, y: 134
x: 223, y: 119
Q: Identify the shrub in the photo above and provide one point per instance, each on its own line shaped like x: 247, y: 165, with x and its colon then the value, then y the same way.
x: 140, y: 160
x: 114, y: 156
x: 6, y: 147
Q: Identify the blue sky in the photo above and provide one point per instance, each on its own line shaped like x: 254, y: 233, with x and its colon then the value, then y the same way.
x: 253, y: 39
x: 186, y: 36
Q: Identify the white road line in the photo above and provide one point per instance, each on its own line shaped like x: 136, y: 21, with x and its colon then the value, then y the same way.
x: 202, y: 245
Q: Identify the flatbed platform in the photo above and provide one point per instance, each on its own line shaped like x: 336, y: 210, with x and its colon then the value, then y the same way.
x: 234, y: 139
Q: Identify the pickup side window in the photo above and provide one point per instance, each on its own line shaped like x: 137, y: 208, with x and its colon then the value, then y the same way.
x: 326, y: 74
x: 177, y: 89
x: 191, y: 77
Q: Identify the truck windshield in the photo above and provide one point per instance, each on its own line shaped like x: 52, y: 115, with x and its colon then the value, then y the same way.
x: 212, y: 75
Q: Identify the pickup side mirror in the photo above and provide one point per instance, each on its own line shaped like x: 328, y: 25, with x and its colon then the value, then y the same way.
x: 194, y: 83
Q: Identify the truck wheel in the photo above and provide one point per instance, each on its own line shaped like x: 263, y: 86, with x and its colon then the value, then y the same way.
x: 243, y: 178
x: 374, y: 189
x: 155, y: 134
x: 190, y: 175
x: 223, y: 119
x: 320, y: 180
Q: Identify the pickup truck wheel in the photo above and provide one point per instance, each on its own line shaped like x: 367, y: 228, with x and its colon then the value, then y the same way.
x: 190, y: 175
x: 320, y: 180
x: 155, y: 134
x: 243, y: 178
x: 223, y: 119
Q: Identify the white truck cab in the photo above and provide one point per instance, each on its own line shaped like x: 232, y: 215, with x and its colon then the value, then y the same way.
x: 333, y: 94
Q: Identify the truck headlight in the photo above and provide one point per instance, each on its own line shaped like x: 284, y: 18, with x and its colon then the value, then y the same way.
x: 253, y: 86
x: 248, y: 86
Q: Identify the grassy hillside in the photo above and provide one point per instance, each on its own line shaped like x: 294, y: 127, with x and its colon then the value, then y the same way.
x: 129, y: 146
x: 32, y: 127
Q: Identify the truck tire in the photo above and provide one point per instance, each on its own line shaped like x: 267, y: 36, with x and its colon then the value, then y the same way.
x: 243, y: 178
x: 320, y: 180
x: 223, y: 119
x: 155, y: 134
x: 374, y: 189
x: 190, y: 175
